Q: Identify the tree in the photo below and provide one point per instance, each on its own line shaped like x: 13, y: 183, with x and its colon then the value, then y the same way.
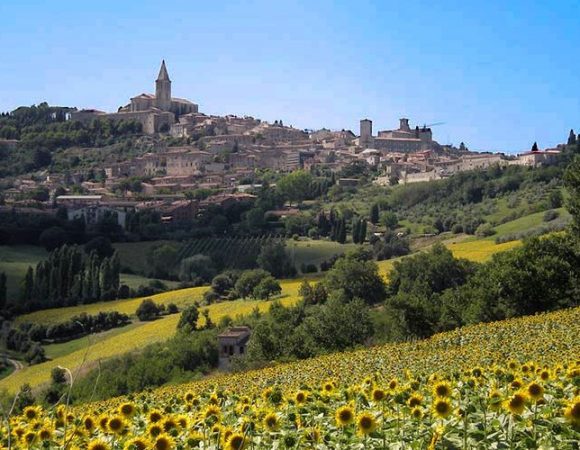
x: 188, y: 319
x: 162, y: 259
x: 266, y: 288
x: 357, y: 279
x: 572, y: 138
x: 248, y: 281
x: 535, y: 147
x: 389, y: 220
x: 101, y: 245
x: 374, y: 215
x: 295, y: 186
x: 572, y: 183
x: 52, y: 238
x: 3, y: 291
x: 197, y: 267
x: 273, y: 258
x: 147, y: 310
x: 27, y: 287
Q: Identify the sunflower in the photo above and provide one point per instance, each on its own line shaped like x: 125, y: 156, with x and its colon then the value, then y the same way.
x: 117, y: 424
x: 545, y: 375
x: 168, y: 424
x: 300, y: 397
x: 393, y: 384
x: 103, y: 422
x: 442, y: 407
x: 164, y: 442
x: 189, y: 396
x: 236, y: 441
x: 98, y: 445
x: 516, y: 403
x: 535, y: 391
x: 29, y: 438
x: 378, y: 394
x: 212, y: 411
x: 344, y: 416
x: 328, y: 386
x: 154, y: 430
x: 88, y: 423
x: 137, y: 444
x: 417, y: 413
x: 155, y: 416
x: 32, y: 412
x: 366, y: 423
x: 516, y: 384
x: 271, y: 422
x: 442, y: 389
x: 415, y: 400
x: 45, y: 433
x: 127, y: 409
x: 572, y: 412
x: 182, y: 421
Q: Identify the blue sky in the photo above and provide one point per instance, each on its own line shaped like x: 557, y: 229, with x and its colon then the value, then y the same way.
x: 501, y: 75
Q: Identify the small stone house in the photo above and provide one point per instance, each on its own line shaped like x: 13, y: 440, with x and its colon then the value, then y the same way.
x: 232, y: 342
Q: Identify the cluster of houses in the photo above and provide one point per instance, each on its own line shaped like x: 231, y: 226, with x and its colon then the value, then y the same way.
x: 228, y: 150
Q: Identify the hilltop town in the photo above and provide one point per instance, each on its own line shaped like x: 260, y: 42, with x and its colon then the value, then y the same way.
x: 179, y: 149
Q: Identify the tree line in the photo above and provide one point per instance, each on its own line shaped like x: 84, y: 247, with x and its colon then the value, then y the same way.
x: 69, y: 276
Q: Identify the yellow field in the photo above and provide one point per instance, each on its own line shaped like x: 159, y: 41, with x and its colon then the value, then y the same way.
x: 480, y: 250
x: 133, y: 339
x: 509, y: 384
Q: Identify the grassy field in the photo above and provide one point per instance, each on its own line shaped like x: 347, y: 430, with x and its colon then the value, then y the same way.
x: 528, y: 222
x: 309, y: 251
x: 15, y: 260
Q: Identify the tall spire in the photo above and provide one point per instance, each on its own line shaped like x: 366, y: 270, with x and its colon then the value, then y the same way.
x: 163, y: 75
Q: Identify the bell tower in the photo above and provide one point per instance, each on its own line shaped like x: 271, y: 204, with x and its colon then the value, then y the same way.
x: 163, y: 89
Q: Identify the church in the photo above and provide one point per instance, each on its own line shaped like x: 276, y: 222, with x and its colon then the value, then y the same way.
x: 156, y: 113
x: 162, y: 99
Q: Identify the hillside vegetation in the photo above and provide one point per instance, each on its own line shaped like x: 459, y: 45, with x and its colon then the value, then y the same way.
x: 510, y: 384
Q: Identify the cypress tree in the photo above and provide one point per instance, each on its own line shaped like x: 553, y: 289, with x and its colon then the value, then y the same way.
x: 375, y: 214
x: 572, y: 138
x: 27, y: 287
x: 3, y: 290
x: 535, y: 147
x: 363, y: 232
x: 341, y: 237
x: 355, y: 230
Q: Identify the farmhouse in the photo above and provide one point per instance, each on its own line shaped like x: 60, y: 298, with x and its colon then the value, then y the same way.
x: 232, y: 342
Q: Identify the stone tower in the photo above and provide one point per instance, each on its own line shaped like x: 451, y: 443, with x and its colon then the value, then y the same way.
x: 163, y: 89
x: 366, y: 132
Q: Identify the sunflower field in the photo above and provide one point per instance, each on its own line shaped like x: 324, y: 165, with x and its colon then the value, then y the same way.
x: 513, y: 385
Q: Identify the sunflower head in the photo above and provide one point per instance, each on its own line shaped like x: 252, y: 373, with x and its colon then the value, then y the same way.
x: 98, y: 445
x: 442, y: 389
x: 137, y: 443
x: 117, y: 424
x: 441, y: 407
x: 127, y: 409
x: 535, y: 390
x: 236, y: 441
x: 378, y: 394
x: 516, y: 403
x: 344, y: 415
x: 271, y: 422
x: 366, y: 423
x: 164, y: 442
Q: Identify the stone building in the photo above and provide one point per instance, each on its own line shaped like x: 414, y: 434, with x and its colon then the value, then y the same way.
x: 156, y: 113
x: 232, y: 342
x: 404, y: 139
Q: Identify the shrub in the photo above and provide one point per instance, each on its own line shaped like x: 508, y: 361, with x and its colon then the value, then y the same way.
x: 550, y: 215
x: 484, y: 230
x: 147, y: 310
